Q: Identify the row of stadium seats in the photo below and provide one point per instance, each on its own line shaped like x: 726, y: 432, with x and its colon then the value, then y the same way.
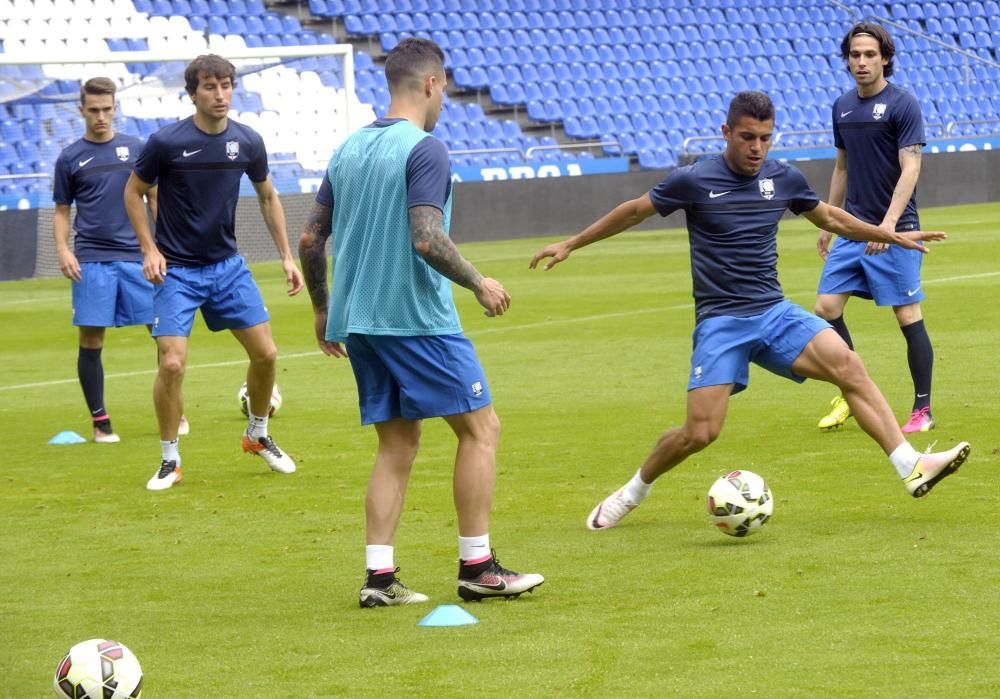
x: 33, y: 134
x: 187, y: 8
x: 574, y: 64
x: 592, y: 63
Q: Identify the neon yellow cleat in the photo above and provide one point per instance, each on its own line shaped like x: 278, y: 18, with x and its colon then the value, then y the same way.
x: 837, y: 416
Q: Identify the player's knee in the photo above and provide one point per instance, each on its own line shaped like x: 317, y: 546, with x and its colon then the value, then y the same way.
x: 172, y: 365
x: 850, y: 370
x: 699, y: 435
x: 485, y: 430
x: 825, y: 310
x: 264, y: 356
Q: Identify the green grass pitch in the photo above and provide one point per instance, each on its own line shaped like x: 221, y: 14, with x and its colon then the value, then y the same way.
x: 241, y: 582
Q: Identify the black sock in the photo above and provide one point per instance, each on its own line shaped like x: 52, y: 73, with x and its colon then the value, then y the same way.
x: 841, y: 327
x: 467, y: 572
x: 91, y: 372
x: 920, y: 356
x: 379, y: 580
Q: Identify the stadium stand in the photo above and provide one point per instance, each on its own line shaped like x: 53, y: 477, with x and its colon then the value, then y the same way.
x: 647, y: 78
x: 587, y: 64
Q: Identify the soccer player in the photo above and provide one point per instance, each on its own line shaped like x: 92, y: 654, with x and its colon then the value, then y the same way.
x: 194, y: 262
x: 879, y: 134
x: 387, y: 201
x: 733, y: 204
x: 105, y: 264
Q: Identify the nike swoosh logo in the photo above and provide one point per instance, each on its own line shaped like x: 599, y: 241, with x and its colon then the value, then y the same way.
x: 921, y: 395
x: 84, y: 162
x: 843, y: 114
x: 911, y: 293
x: 498, y: 586
x: 715, y: 195
x: 185, y: 154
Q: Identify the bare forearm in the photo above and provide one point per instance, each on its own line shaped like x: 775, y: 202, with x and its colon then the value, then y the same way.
x: 312, y: 255
x: 909, y: 160
x: 135, y: 207
x: 621, y: 218
x: 438, y: 250
x: 61, y: 227
x: 274, y: 219
x: 838, y: 221
x: 838, y: 187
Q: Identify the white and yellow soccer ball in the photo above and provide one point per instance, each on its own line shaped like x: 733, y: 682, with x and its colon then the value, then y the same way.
x: 244, y: 400
x: 100, y: 669
x: 740, y: 503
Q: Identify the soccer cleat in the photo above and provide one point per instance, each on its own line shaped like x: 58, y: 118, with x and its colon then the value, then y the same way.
x: 165, y: 477
x: 837, y: 416
x: 931, y: 468
x: 490, y: 579
x: 183, y: 427
x: 920, y: 421
x: 105, y: 435
x: 610, y: 511
x: 265, y: 447
x: 393, y: 593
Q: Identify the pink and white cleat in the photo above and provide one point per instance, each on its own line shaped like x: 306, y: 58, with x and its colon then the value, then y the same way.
x: 920, y: 421
x: 610, y: 511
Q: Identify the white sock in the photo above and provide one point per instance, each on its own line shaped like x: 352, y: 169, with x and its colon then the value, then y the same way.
x: 474, y: 548
x: 637, y: 489
x: 256, y: 427
x: 378, y: 557
x: 170, y: 451
x: 904, y: 458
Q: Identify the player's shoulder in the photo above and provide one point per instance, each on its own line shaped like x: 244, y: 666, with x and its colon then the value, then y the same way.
x: 127, y: 139
x: 72, y: 150
x: 431, y: 145
x: 902, y: 96
x: 774, y: 169
x: 248, y: 132
x: 172, y: 132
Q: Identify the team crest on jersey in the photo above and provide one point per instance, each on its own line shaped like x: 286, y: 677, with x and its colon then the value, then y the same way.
x: 879, y: 111
x: 232, y: 149
x: 122, y: 153
x: 767, y: 188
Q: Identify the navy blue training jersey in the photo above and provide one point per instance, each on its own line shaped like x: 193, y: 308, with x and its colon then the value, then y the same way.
x: 198, y: 175
x: 428, y: 174
x: 872, y: 130
x: 732, y: 223
x: 93, y: 175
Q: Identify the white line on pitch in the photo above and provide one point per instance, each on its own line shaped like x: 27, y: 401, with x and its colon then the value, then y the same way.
x: 474, y: 333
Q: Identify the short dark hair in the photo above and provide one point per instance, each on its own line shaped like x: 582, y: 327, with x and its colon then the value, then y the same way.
x: 751, y: 103
x: 98, y: 86
x: 411, y: 60
x: 209, y: 64
x: 885, y: 44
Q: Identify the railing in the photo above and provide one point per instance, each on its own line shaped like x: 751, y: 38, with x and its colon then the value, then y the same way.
x: 571, y: 146
x: 966, y: 55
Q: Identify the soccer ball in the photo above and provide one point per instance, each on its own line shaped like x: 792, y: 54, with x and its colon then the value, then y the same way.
x: 740, y: 503
x: 244, y: 400
x: 98, y: 669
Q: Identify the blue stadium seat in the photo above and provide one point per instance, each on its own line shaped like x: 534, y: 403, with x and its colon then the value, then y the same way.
x: 217, y: 25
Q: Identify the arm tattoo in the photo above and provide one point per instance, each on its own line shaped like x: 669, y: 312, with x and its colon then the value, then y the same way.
x: 312, y: 254
x: 914, y: 151
x: 431, y: 243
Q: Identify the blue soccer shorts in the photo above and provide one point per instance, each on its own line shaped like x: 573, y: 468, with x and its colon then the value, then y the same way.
x: 891, y: 278
x: 724, y: 346
x: 224, y: 291
x: 112, y: 294
x: 416, y: 377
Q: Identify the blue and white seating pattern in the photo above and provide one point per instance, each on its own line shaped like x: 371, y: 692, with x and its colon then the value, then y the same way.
x: 598, y: 66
